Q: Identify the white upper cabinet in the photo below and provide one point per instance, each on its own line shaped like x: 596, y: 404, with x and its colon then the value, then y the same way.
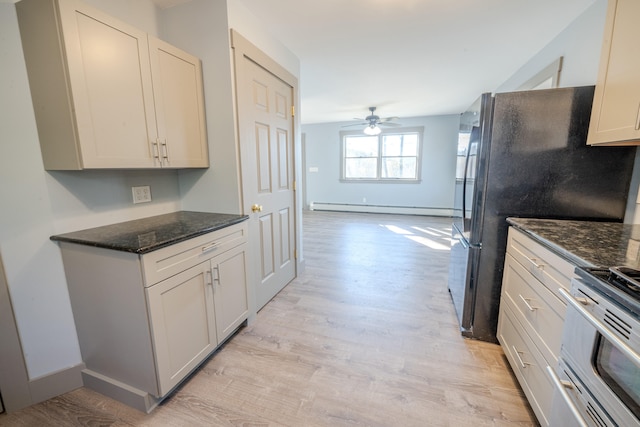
x: 107, y: 95
x: 179, y: 106
x: 615, y: 118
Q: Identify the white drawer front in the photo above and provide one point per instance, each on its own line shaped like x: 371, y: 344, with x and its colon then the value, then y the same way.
x: 527, y: 363
x: 550, y: 269
x: 166, y: 262
x: 535, y: 307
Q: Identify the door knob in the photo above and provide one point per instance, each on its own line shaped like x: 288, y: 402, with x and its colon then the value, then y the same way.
x: 256, y: 208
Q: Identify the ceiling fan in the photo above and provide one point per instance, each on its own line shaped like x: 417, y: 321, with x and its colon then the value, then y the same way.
x: 373, y: 122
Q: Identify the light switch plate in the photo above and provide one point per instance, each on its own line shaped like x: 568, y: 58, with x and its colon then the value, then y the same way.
x: 141, y: 194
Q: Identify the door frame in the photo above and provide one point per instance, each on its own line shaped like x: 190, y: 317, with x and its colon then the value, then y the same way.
x: 243, y: 48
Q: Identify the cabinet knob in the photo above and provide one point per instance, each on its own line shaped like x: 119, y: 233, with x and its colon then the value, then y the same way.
x: 256, y: 208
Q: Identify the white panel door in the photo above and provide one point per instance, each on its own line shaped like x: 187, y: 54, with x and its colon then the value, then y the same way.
x: 266, y: 146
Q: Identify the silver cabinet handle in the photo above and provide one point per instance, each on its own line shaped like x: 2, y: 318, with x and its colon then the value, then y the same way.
x: 605, y: 332
x: 165, y: 150
x: 156, y: 150
x: 535, y: 264
x: 523, y: 364
x: 209, y: 247
x: 209, y: 278
x: 562, y: 387
x: 526, y: 302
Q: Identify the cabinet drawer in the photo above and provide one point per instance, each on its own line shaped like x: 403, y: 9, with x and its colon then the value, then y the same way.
x: 535, y: 307
x: 527, y: 363
x: 166, y: 262
x: 550, y: 269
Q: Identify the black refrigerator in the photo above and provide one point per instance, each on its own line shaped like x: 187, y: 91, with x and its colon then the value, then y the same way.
x: 524, y: 154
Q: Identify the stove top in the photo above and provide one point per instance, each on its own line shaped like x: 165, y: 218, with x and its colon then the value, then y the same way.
x: 621, y: 284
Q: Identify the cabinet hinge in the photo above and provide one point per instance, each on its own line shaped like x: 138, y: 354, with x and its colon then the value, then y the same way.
x: 293, y: 111
x: 295, y: 254
x: 294, y: 186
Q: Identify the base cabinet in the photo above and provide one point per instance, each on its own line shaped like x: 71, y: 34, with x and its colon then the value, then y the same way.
x: 145, y: 322
x: 532, y: 316
x: 208, y: 301
x: 229, y: 283
x: 182, y: 317
x: 527, y: 364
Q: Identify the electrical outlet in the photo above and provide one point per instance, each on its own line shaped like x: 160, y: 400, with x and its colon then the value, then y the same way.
x: 141, y: 194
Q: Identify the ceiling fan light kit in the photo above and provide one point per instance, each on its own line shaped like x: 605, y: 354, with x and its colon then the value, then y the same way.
x: 373, y: 122
x: 372, y: 130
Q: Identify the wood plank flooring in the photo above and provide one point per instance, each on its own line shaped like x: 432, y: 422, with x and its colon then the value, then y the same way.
x: 365, y: 336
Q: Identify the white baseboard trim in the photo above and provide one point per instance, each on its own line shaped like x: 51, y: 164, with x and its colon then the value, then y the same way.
x: 138, y: 399
x: 404, y: 210
x: 55, y: 384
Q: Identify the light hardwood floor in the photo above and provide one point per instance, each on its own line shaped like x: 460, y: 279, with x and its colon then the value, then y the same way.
x: 366, y: 336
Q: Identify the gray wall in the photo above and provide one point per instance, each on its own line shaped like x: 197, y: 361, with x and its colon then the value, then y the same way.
x: 435, y: 191
x: 579, y: 45
x: 37, y: 203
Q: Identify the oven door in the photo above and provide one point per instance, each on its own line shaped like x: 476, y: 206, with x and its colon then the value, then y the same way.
x: 594, y: 353
x: 573, y: 405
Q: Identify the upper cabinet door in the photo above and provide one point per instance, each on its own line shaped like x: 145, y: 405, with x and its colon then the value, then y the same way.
x: 615, y: 118
x: 179, y: 102
x: 109, y: 74
x: 93, y: 91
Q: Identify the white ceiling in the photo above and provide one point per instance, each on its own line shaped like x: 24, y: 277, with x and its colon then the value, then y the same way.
x: 408, y: 57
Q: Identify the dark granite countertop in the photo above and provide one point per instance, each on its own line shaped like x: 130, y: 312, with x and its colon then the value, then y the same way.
x: 586, y: 243
x: 148, y: 234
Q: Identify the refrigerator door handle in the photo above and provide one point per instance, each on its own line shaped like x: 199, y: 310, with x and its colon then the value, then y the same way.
x: 464, y: 189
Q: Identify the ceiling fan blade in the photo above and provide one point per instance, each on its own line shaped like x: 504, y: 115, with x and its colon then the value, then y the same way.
x: 355, y: 124
x: 389, y: 124
x: 387, y: 119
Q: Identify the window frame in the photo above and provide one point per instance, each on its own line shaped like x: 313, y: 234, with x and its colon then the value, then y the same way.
x: 418, y: 130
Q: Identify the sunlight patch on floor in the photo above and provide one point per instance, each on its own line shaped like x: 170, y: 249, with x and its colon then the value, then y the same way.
x: 436, y: 234
x: 429, y: 243
x: 397, y: 230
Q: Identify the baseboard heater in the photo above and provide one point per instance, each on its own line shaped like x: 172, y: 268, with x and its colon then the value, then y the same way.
x: 406, y: 210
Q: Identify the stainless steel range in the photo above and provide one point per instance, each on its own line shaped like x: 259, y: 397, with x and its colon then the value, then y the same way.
x: 598, y: 374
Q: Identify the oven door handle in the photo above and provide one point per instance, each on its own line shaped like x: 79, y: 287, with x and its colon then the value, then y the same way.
x: 605, y: 332
x: 562, y: 387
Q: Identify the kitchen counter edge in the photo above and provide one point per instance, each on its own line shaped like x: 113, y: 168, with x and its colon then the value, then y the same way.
x: 585, y: 243
x: 148, y: 234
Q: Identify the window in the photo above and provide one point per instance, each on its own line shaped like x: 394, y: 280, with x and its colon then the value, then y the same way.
x: 463, y: 146
x: 390, y: 156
